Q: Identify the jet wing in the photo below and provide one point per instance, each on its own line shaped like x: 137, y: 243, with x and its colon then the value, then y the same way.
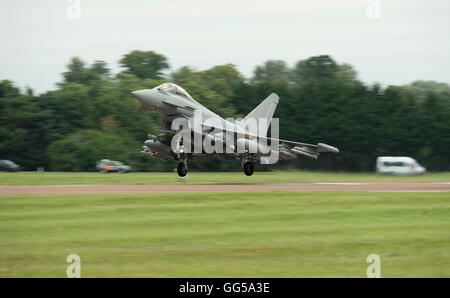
x: 305, y: 149
x: 287, y: 148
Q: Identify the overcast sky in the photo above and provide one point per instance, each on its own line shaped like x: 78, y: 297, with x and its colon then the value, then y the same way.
x: 408, y: 40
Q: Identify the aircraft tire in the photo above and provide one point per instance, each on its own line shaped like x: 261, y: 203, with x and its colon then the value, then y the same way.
x: 181, y: 169
x: 249, y: 168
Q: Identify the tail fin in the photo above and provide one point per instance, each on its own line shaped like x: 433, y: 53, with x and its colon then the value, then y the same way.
x: 265, y: 110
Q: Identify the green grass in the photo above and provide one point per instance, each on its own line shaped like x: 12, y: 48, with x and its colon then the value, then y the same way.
x: 54, y: 178
x: 274, y: 234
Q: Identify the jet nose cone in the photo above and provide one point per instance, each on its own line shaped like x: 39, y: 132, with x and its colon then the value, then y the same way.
x: 139, y: 94
x: 136, y: 93
x: 148, y: 96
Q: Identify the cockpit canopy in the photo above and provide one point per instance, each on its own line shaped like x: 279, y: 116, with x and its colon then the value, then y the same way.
x: 173, y: 88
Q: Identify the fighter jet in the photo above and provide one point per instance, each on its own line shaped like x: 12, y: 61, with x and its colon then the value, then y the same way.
x: 173, y: 103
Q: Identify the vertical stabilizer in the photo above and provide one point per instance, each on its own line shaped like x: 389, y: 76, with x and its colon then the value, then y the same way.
x: 264, y: 110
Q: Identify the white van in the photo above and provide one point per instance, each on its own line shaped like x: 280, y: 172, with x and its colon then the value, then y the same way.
x: 398, y: 165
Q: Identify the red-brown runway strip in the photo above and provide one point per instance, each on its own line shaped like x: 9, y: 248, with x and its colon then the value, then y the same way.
x: 181, y: 188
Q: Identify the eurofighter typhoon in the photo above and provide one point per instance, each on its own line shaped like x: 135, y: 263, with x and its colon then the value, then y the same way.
x: 189, y: 129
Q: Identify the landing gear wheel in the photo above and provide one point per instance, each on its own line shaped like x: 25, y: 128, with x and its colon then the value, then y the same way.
x: 182, y: 169
x: 249, y: 168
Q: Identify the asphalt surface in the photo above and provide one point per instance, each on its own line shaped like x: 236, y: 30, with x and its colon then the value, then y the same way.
x: 264, y: 187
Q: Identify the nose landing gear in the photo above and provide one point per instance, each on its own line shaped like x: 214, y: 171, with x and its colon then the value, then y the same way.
x: 182, y: 169
x: 249, y: 168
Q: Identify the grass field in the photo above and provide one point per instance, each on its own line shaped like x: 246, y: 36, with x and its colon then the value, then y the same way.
x: 274, y: 234
x: 55, y: 178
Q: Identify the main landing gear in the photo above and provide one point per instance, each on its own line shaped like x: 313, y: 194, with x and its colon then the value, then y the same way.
x: 182, y: 169
x: 249, y: 168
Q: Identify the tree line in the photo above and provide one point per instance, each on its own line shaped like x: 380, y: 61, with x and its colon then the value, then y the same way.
x: 90, y: 114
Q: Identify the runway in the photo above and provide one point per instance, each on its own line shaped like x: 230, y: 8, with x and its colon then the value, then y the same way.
x: 263, y: 187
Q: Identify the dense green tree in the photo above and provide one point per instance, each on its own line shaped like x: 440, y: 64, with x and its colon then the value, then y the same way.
x: 75, y: 71
x: 315, y: 69
x: 21, y: 131
x: 422, y: 89
x: 8, y: 90
x: 145, y: 65
x: 80, y: 151
x: 272, y: 70
x: 100, y: 68
x: 91, y: 114
x: 181, y: 75
x: 78, y: 73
